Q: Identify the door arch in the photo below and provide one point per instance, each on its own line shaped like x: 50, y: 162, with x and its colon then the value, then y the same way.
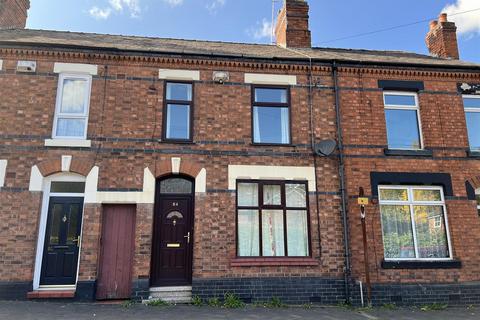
x: 172, y: 245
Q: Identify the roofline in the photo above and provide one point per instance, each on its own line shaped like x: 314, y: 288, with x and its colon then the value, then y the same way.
x: 343, y: 62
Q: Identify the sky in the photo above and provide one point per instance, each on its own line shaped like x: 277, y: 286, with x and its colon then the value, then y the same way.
x: 250, y: 21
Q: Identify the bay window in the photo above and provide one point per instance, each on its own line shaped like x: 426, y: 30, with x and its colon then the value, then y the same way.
x: 272, y: 219
x: 414, y: 223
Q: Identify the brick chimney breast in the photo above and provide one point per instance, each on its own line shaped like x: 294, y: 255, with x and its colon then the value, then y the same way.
x: 13, y: 13
x: 292, y: 28
x: 441, y: 39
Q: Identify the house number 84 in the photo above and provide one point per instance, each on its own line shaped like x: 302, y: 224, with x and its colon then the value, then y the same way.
x: 174, y: 204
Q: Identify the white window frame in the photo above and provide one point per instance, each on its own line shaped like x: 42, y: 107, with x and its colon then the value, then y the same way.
x: 470, y: 96
x: 411, y: 203
x: 47, y: 182
x: 402, y: 107
x: 84, y: 116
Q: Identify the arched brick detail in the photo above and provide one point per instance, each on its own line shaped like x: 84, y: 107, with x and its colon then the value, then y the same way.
x: 164, y: 167
x: 82, y: 166
x: 49, y: 167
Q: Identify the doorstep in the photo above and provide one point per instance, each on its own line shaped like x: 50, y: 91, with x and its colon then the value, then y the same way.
x: 51, y: 294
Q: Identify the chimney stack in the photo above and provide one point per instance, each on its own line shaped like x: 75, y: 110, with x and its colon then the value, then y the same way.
x: 13, y: 13
x: 292, y: 25
x: 442, y: 38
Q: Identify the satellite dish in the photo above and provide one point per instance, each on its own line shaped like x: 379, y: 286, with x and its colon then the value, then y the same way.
x: 325, y: 148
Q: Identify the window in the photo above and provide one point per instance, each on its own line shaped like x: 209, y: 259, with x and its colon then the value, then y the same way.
x: 402, y: 120
x: 477, y: 197
x: 71, y: 112
x: 271, y: 115
x: 272, y: 219
x: 414, y: 223
x: 471, y: 105
x: 176, y: 186
x: 178, y: 111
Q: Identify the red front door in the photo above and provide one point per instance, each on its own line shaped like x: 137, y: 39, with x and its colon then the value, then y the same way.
x: 117, y: 251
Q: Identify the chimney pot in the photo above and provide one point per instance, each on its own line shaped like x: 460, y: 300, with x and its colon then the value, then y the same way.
x: 443, y: 17
x: 433, y: 24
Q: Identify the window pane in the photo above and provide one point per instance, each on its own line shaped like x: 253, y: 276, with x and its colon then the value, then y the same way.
x: 55, y: 221
x: 176, y: 185
x: 178, y: 121
x: 179, y: 91
x: 397, y: 232
x: 431, y: 232
x: 272, y: 195
x: 67, y: 187
x: 248, y: 233
x: 296, y: 195
x: 271, y: 125
x: 399, y: 100
x: 473, y: 128
x: 297, y: 233
x: 247, y: 194
x: 426, y: 195
x: 471, y: 102
x: 72, y: 223
x: 270, y: 95
x: 394, y: 194
x: 70, y: 128
x: 402, y: 129
x: 272, y: 233
x: 73, y: 96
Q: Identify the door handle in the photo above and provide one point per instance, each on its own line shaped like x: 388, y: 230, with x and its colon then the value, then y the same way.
x: 77, y: 241
x: 188, y: 237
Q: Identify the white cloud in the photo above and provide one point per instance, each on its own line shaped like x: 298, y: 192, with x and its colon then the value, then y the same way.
x: 100, y: 14
x: 467, y: 23
x: 174, y: 3
x: 262, y: 30
x: 133, y: 7
x: 214, y: 5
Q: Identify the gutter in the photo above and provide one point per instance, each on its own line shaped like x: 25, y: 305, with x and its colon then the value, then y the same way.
x: 326, y: 62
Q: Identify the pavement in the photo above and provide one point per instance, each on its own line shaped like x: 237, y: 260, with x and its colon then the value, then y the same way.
x: 27, y: 310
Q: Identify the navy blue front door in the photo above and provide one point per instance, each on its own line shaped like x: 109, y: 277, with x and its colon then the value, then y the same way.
x: 62, y: 240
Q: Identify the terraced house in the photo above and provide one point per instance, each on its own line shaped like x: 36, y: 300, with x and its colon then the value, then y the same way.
x: 135, y: 167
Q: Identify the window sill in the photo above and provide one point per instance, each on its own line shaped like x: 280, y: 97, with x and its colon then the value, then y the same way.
x: 73, y: 143
x: 412, y: 264
x: 187, y: 142
x: 272, y: 144
x: 418, y: 153
x: 473, y: 154
x: 283, y: 261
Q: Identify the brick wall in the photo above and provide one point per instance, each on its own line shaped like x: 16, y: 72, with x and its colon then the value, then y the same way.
x: 13, y: 13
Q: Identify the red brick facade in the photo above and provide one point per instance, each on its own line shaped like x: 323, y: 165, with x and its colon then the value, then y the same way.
x: 13, y: 13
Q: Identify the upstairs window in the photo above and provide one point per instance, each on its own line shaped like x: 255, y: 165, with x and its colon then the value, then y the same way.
x: 402, y: 120
x: 414, y: 223
x: 271, y: 115
x: 272, y: 219
x: 72, y: 107
x: 471, y: 104
x: 178, y: 111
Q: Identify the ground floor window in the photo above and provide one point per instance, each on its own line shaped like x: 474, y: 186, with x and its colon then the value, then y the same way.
x: 272, y: 219
x: 414, y: 223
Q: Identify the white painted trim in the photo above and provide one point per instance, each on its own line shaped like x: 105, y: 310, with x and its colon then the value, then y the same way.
x: 71, y: 143
x: 36, y: 180
x: 178, y: 74
x: 201, y: 181
x: 176, y: 165
x: 45, y: 187
x: 90, y: 69
x: 66, y: 162
x: 91, y: 185
x: 1, y: 64
x: 261, y: 78
x: 270, y: 173
x: 3, y: 170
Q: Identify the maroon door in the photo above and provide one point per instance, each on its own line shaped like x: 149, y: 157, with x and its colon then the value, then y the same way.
x: 117, y: 250
x: 172, y: 241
